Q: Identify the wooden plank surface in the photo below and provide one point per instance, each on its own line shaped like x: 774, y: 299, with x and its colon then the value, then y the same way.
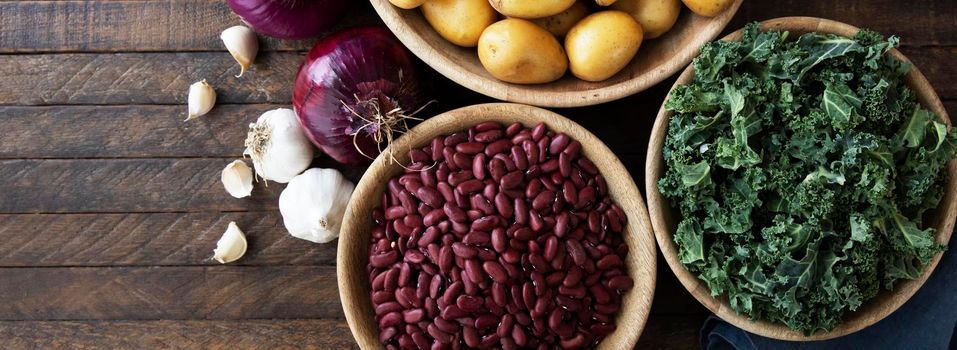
x: 182, y: 25
x: 152, y: 293
x: 176, y: 334
x: 133, y: 26
x: 130, y: 185
x: 917, y: 22
x: 142, y: 78
x: 151, y: 239
x: 185, y: 292
x: 676, y: 333
x: 164, y: 78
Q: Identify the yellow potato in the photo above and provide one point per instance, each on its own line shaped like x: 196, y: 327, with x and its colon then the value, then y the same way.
x: 655, y: 16
x: 605, y: 2
x: 531, y: 8
x: 602, y: 44
x: 560, y: 24
x: 459, y: 21
x: 518, y: 51
x: 708, y: 8
x: 407, y: 4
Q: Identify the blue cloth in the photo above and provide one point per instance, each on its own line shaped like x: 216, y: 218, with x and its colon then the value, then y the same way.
x: 927, y: 321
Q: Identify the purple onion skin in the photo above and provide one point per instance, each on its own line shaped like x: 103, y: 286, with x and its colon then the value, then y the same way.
x: 344, y: 73
x: 290, y: 19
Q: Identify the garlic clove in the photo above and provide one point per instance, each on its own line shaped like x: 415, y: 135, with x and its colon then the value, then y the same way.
x: 242, y: 44
x: 237, y: 178
x: 201, y: 99
x: 231, y: 246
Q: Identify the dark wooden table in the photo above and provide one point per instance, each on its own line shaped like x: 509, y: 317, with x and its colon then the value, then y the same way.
x: 111, y: 205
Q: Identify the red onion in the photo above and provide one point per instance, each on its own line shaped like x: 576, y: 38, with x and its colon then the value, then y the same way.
x: 289, y: 19
x: 355, y: 90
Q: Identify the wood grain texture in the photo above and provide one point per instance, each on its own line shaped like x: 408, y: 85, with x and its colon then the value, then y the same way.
x: 128, y: 26
x: 164, y: 78
x: 125, y: 131
x: 142, y: 78
x: 917, y: 22
x: 149, y: 239
x: 656, y: 60
x: 136, y: 185
x: 154, y: 131
x: 154, y: 293
x: 174, y: 334
x: 130, y: 186
x: 671, y: 333
x: 352, y: 255
x: 664, y: 218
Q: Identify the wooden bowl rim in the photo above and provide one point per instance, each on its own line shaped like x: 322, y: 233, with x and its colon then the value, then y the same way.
x: 352, y: 249
x: 874, y: 309
x: 437, y: 58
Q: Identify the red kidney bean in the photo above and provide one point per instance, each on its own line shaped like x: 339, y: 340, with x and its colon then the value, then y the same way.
x: 510, y: 180
x: 464, y: 251
x: 474, y: 271
x: 497, y: 147
x: 462, y: 161
x: 489, y: 136
x: 519, y: 158
x: 535, y: 221
x: 549, y: 165
x: 470, y: 148
x: 513, y: 129
x: 538, y: 131
x: 543, y: 200
x: 479, y: 202
x: 565, y: 164
x: 587, y: 166
x: 521, y: 211
x: 470, y: 186
x: 503, y: 206
x: 558, y: 144
x: 476, y: 238
x: 495, y: 271
x: 620, y: 283
x: 454, y: 213
x: 478, y: 166
x: 454, y: 139
x: 446, y: 190
x: 486, y: 126
x: 585, y: 197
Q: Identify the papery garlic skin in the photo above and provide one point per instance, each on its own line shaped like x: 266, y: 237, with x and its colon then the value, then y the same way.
x: 242, y: 44
x: 200, y: 100
x: 278, y: 146
x: 237, y: 178
x: 313, y: 204
x: 231, y: 246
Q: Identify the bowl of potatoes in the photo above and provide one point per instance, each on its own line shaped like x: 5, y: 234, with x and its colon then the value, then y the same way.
x: 556, y: 53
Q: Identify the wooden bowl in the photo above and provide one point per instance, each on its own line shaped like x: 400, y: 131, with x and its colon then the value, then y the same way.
x: 354, y: 284
x: 657, y: 60
x: 665, y: 220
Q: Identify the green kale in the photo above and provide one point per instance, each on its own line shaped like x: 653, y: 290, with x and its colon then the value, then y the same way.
x: 802, y: 170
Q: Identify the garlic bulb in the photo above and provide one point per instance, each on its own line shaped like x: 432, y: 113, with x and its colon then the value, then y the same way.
x: 201, y: 99
x: 278, y: 146
x: 313, y: 203
x: 242, y: 44
x: 238, y: 179
x: 231, y: 246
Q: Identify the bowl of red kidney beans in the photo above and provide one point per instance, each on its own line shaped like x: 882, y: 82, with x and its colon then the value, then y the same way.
x: 496, y: 226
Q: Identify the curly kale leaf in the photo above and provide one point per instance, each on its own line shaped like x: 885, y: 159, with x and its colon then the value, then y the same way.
x: 802, y: 170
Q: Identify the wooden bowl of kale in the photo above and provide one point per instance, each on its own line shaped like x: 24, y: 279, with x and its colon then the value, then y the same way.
x: 801, y: 178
